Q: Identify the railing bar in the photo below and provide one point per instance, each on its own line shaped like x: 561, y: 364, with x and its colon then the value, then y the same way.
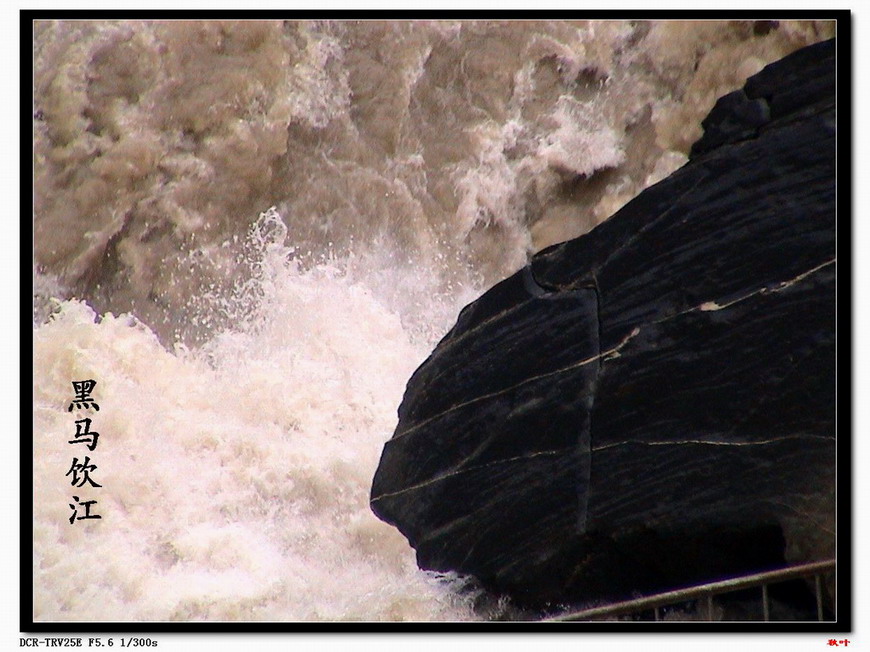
x: 765, y: 602
x: 656, y: 613
x: 819, y: 612
x: 709, y: 606
x: 695, y: 592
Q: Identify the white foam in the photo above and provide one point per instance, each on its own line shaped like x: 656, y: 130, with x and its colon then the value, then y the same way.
x: 235, y: 479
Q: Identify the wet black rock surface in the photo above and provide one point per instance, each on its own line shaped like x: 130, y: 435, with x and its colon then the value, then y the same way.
x: 650, y: 405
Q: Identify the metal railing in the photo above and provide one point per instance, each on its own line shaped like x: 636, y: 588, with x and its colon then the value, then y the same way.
x: 706, y: 592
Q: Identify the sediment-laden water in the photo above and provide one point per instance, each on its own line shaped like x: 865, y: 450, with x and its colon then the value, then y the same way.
x: 249, y: 234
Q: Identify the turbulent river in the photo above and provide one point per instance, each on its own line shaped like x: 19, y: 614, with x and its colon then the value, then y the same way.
x: 250, y: 234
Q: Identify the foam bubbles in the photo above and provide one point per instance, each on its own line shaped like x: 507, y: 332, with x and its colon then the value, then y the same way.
x: 236, y: 478
x: 245, y: 405
x: 480, y: 141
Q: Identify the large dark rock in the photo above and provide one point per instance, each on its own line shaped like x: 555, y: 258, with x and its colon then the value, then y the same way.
x: 652, y: 404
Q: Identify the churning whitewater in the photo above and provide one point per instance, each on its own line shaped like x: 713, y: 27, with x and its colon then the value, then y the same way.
x: 251, y: 233
x: 235, y: 477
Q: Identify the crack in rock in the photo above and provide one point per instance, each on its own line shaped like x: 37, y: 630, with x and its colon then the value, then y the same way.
x: 604, y: 355
x: 709, y: 442
x: 444, y: 476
